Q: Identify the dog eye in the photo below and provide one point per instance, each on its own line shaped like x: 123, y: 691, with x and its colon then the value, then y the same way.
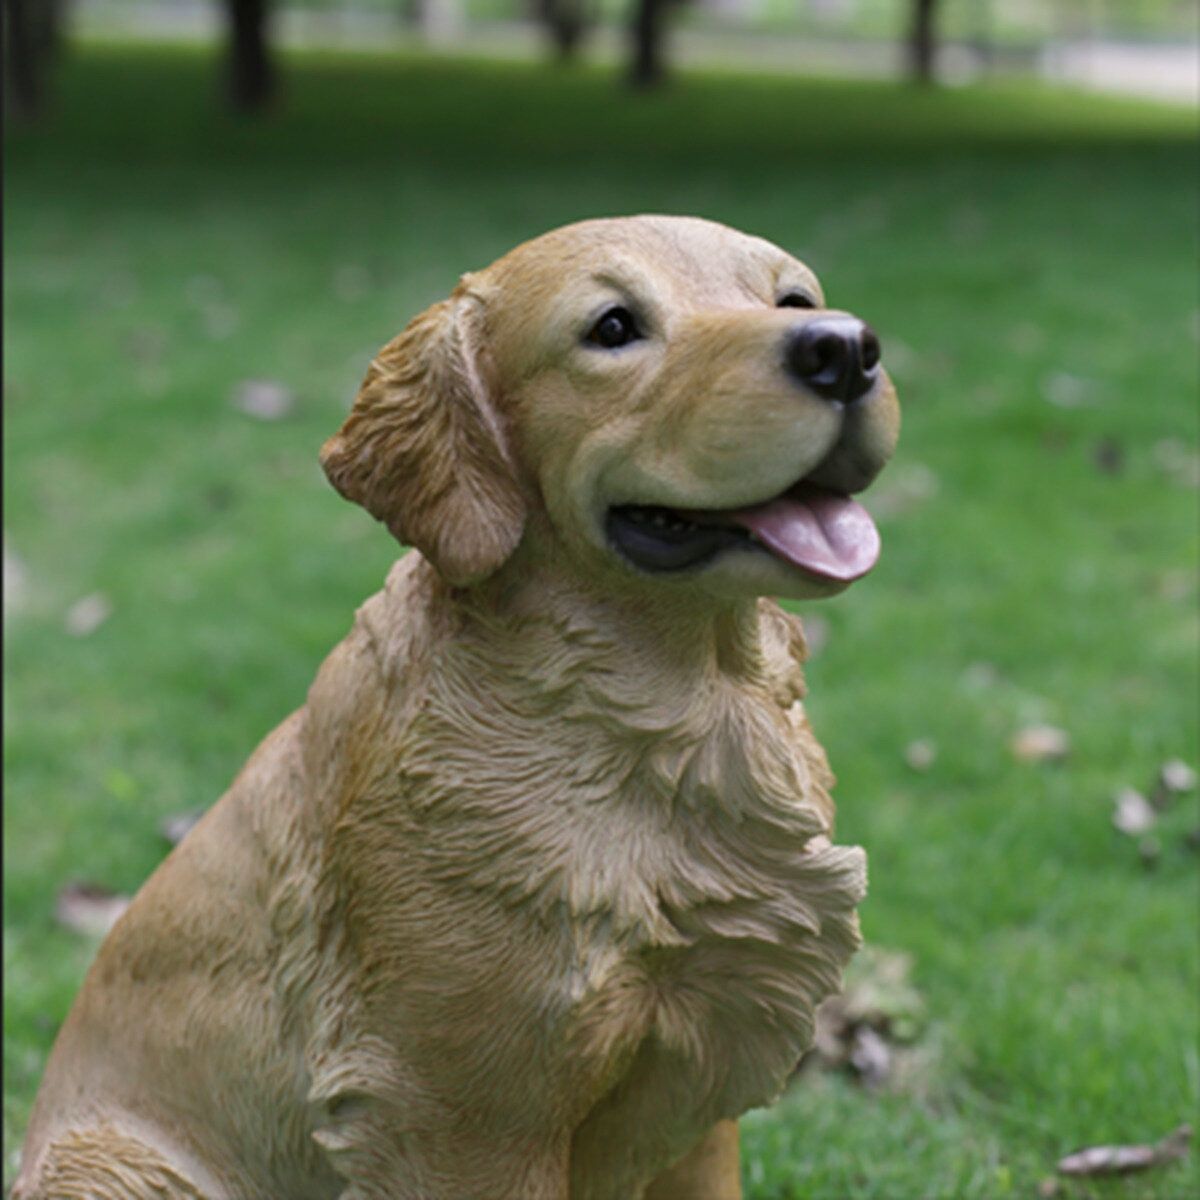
x: 615, y: 328
x: 794, y: 300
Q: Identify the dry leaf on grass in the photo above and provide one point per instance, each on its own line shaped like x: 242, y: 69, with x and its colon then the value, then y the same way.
x: 146, y: 344
x: 979, y: 676
x: 88, y: 908
x: 870, y: 1056
x: 1150, y: 851
x: 220, y: 321
x: 877, y: 1014
x: 902, y: 490
x: 16, y: 581
x: 208, y: 295
x: 1178, y: 461
x: 85, y: 616
x: 1132, y: 812
x: 263, y: 399
x: 1109, y: 456
x: 1040, y: 743
x: 816, y: 633
x: 351, y: 282
x: 1065, y: 390
x: 1117, y: 1160
x: 921, y: 754
x: 1175, y: 778
x: 177, y: 826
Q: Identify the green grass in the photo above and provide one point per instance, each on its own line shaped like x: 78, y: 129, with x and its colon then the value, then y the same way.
x: 1007, y: 244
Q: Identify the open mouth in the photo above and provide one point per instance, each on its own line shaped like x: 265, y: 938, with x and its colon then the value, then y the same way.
x: 824, y: 533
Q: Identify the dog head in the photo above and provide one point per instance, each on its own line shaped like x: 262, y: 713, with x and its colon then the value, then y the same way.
x: 657, y: 401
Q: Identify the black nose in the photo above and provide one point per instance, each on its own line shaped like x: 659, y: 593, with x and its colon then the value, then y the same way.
x: 836, y: 357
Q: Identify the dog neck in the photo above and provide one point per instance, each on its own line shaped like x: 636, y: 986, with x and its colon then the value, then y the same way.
x: 673, y: 634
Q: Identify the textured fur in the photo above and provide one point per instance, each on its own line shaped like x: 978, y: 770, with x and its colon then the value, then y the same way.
x: 536, y: 893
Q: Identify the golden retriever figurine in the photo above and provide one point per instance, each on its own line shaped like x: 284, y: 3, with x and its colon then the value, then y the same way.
x: 535, y: 895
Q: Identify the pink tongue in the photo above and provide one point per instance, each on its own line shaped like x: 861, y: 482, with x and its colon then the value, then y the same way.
x: 819, y: 531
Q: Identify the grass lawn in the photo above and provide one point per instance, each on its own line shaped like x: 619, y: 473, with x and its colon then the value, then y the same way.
x: 1028, y: 259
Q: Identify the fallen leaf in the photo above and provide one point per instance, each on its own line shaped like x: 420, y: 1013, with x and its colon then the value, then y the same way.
x: 202, y: 290
x: 16, y: 581
x: 1175, y: 585
x: 146, y: 345
x: 902, y: 359
x: 218, y: 497
x: 1065, y: 390
x: 816, y: 633
x: 1176, y: 777
x: 1040, y: 743
x: 351, y: 282
x: 921, y: 754
x: 88, y: 908
x: 1109, y: 456
x: 903, y: 490
x: 877, y: 1014
x: 978, y: 676
x: 177, y: 826
x: 1026, y: 338
x: 870, y: 1056
x: 986, y: 396
x: 85, y: 616
x: 220, y: 320
x: 263, y: 399
x: 1132, y: 812
x: 1116, y: 1160
x: 1178, y: 461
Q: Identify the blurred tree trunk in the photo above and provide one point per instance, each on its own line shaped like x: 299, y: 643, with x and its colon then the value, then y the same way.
x: 251, y: 78
x: 922, y: 42
x: 982, y: 39
x: 646, y: 29
x: 24, y: 58
x: 58, y: 14
x: 565, y: 21
x: 438, y: 22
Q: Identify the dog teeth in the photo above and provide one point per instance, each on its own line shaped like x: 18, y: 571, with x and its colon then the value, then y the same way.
x: 660, y: 520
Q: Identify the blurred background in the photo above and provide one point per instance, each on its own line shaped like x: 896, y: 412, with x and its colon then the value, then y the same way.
x: 1145, y: 47
x: 217, y: 211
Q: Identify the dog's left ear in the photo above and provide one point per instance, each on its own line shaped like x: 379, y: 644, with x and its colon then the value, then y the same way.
x: 423, y: 449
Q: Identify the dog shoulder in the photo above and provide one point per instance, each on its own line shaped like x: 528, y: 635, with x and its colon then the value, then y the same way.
x: 372, y: 683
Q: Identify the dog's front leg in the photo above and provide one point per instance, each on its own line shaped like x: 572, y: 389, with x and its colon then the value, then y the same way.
x: 459, y: 1161
x: 709, y: 1171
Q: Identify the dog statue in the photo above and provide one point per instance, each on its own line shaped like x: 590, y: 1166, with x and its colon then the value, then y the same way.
x: 535, y: 895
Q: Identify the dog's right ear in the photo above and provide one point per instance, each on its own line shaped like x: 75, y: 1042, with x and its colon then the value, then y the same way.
x: 423, y: 449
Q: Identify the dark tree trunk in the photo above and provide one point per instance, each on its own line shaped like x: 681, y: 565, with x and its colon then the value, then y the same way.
x: 646, y: 29
x: 49, y: 26
x: 251, y: 79
x: 923, y: 41
x: 565, y: 22
x: 24, y: 60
